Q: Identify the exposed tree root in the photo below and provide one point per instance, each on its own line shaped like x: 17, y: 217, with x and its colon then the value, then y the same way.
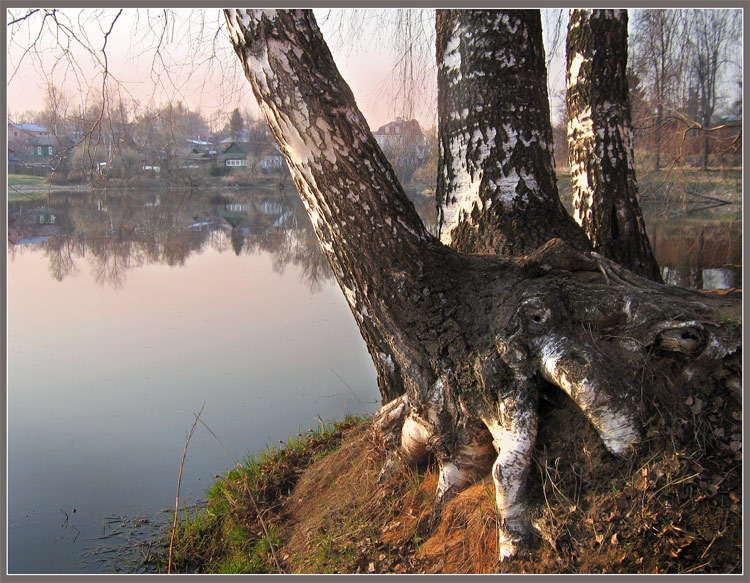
x: 582, y: 339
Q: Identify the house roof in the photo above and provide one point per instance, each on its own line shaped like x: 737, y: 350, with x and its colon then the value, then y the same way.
x: 29, y: 127
x: 405, y: 127
x: 240, y: 148
x: 44, y: 141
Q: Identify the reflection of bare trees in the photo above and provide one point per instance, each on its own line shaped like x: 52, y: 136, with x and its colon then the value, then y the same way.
x: 280, y: 227
x: 61, y: 253
x: 110, y: 259
x: 301, y: 249
x: 238, y: 241
x: 118, y: 231
x: 177, y: 248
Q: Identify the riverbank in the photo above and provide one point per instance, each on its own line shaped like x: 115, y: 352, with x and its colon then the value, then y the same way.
x: 25, y: 187
x: 314, y: 506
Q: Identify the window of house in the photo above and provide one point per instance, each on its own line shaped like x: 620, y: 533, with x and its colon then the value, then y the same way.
x: 39, y: 150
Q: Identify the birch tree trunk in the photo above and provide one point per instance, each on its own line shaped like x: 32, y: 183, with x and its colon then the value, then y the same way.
x: 605, y: 190
x: 497, y: 189
x: 467, y: 339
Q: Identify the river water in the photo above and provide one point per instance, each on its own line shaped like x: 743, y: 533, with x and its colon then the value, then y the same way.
x: 123, y: 324
x: 130, y: 311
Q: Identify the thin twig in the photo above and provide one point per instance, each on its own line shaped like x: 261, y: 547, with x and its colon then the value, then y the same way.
x: 691, y: 569
x: 361, y: 404
x: 179, y: 481
x: 231, y: 457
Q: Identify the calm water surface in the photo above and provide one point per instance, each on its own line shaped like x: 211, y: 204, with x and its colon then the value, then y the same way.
x: 105, y: 374
x: 128, y: 311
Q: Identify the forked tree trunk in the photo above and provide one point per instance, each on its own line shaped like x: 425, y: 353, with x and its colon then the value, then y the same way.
x: 467, y: 338
x: 605, y: 190
x: 497, y: 189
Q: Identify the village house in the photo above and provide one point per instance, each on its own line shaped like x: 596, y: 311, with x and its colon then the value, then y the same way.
x: 198, y: 154
x: 272, y: 159
x: 234, y: 154
x: 21, y: 130
x: 403, y: 142
x: 263, y: 155
x: 30, y: 145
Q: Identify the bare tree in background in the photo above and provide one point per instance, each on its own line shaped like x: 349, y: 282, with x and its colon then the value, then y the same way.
x: 405, y: 35
x: 660, y: 49
x: 73, y: 47
x: 710, y: 33
x: 683, y: 58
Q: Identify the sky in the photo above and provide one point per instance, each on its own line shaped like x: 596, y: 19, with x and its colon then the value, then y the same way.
x: 194, y: 62
x: 190, y: 59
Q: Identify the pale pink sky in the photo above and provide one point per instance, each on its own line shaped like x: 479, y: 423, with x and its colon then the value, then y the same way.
x: 218, y: 85
x: 184, y: 72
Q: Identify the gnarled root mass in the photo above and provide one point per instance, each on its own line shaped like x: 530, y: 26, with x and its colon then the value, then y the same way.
x: 576, y: 332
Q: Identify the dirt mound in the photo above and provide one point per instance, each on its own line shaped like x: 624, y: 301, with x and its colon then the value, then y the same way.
x: 673, y: 507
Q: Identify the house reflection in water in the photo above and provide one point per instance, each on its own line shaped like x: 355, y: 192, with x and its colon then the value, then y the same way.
x: 116, y: 231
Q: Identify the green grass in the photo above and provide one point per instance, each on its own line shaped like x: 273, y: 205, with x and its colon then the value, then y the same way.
x: 39, y: 185
x: 26, y: 180
x: 226, y: 536
x: 25, y: 196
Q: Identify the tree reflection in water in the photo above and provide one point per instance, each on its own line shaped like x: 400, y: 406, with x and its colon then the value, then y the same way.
x: 117, y: 231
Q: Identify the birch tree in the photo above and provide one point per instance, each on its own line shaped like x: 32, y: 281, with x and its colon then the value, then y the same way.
x: 463, y: 341
x: 600, y: 142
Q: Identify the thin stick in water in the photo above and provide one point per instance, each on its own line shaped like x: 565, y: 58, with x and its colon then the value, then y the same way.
x: 179, y: 481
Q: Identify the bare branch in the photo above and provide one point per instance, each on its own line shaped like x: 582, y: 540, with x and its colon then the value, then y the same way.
x: 24, y: 17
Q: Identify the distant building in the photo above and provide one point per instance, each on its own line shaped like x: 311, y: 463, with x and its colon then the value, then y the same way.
x: 263, y: 155
x: 403, y: 142
x: 21, y: 130
x: 198, y: 154
x: 30, y: 145
x: 234, y: 155
x: 272, y: 158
